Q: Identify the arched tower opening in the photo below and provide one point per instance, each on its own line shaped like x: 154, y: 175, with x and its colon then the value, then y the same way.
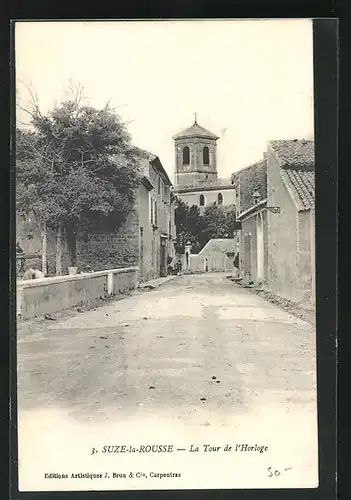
x: 206, y: 155
x: 186, y: 155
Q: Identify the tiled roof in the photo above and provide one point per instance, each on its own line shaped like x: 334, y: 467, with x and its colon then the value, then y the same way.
x: 145, y: 154
x: 296, y: 153
x: 148, y: 157
x: 302, y: 184
x: 195, y: 131
x: 297, y: 161
x: 221, y: 245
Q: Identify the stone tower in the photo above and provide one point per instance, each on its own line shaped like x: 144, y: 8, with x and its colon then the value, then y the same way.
x: 195, y: 156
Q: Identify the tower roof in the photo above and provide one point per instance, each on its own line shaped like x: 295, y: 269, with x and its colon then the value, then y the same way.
x: 195, y: 131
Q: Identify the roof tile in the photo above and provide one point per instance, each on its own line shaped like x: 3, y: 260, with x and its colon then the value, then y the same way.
x: 303, y: 185
x: 296, y: 153
x: 195, y: 131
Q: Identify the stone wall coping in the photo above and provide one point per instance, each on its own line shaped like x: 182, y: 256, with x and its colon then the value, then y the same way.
x: 74, y: 277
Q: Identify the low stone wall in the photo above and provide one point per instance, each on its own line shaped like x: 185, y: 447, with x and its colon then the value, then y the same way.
x: 49, y: 295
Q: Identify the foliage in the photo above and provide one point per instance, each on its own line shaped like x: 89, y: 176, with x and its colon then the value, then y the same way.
x: 77, y: 168
x: 216, y: 222
x: 188, y: 226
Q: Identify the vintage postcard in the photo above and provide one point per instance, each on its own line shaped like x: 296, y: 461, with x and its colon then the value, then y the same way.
x: 165, y: 252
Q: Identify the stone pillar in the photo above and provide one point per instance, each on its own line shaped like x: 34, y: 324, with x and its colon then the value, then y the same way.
x: 109, y: 283
x: 188, y: 248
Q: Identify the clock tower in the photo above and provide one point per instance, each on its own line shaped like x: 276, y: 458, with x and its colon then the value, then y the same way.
x: 195, y: 156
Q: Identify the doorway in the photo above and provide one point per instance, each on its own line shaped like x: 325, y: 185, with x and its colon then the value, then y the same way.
x: 163, y: 263
x: 260, y: 247
x: 141, y: 253
x: 247, y: 257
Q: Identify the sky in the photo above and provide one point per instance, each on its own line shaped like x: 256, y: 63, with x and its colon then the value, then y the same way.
x: 249, y: 81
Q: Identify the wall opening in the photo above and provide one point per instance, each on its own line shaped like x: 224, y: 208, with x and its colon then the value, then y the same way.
x: 206, y: 156
x: 186, y: 155
x: 247, y: 257
x: 202, y: 200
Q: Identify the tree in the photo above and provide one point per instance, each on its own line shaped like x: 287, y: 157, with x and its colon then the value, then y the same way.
x: 188, y: 226
x: 36, y: 190
x: 214, y: 222
x: 77, y: 169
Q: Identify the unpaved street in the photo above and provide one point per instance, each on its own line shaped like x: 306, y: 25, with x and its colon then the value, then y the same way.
x: 198, y: 355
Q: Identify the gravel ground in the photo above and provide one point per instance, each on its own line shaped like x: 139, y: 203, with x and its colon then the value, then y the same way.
x: 198, y: 356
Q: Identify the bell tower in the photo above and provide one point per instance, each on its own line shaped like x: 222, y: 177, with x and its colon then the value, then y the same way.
x: 195, y: 156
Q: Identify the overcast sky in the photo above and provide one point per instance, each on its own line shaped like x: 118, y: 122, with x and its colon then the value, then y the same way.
x: 248, y: 81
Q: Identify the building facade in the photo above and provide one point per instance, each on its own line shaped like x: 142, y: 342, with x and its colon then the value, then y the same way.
x: 276, y: 208
x: 251, y: 202
x: 291, y: 233
x: 216, y: 256
x: 156, y: 219
x: 196, y: 174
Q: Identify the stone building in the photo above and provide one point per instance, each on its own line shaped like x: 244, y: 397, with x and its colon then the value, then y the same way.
x: 291, y: 232
x: 276, y: 208
x: 196, y: 174
x: 156, y: 219
x: 216, y: 256
x: 251, y: 201
x: 144, y: 240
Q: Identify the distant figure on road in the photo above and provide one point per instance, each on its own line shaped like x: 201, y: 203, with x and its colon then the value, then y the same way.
x: 178, y: 267
x: 236, y: 266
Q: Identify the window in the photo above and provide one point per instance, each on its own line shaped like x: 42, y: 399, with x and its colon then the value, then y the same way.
x: 186, y: 156
x: 202, y: 200
x: 206, y: 156
x: 220, y: 199
x: 152, y: 211
x: 156, y: 213
x: 159, y: 185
